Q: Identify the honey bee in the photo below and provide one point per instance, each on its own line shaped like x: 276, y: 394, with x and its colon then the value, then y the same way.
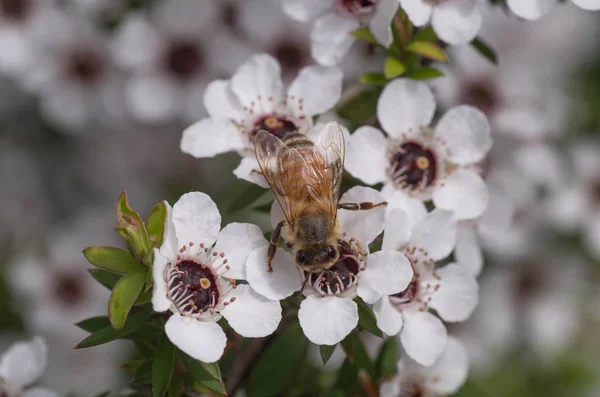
x: 306, y: 178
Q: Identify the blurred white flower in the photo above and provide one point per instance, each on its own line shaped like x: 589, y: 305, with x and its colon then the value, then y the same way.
x: 254, y: 100
x: 73, y: 74
x: 451, y: 291
x: 444, y: 377
x: 171, y: 59
x: 454, y: 21
x: 331, y: 35
x: 196, y: 280
x: 576, y: 204
x: 417, y: 163
x: 328, y: 314
x: 535, y: 9
x: 20, y: 366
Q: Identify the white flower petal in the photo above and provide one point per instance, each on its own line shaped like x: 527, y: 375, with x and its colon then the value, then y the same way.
x: 282, y: 282
x: 160, y: 303
x: 458, y: 294
x: 390, y: 388
x: 418, y: 11
x: 386, y: 273
x: 468, y: 251
x: 252, y: 315
x: 326, y: 321
x: 381, y: 21
x: 456, y: 22
x: 500, y: 212
x: 531, y: 9
x: 389, y: 320
x: 414, y: 207
x: 423, y: 336
x: 237, y: 241
x: 258, y: 82
x: 204, y: 341
x: 24, y: 362
x: 463, y: 192
x: 436, y: 234
x: 39, y: 392
x: 152, y: 98
x: 220, y: 102
x: 305, y: 10
x: 404, y: 106
x: 209, y: 137
x: 169, y: 247
x: 136, y: 43
x: 249, y: 170
x: 450, y: 371
x: 466, y: 132
x: 319, y: 88
x: 591, y: 5
x: 364, y: 225
x: 366, y: 155
x: 196, y: 219
x: 277, y: 214
x: 331, y: 39
x: 397, y: 229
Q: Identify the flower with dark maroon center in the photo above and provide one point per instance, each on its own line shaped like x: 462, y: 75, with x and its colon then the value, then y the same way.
x: 195, y: 279
x: 412, y: 166
x: 68, y: 289
x: 280, y: 126
x: 184, y: 59
x: 291, y: 54
x: 480, y: 93
x: 358, y: 7
x: 15, y: 10
x: 338, y: 278
x: 85, y: 66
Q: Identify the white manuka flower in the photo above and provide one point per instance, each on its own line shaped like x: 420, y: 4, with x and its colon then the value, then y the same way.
x: 173, y: 53
x: 454, y: 21
x: 21, y: 365
x: 254, y: 100
x: 331, y: 36
x: 328, y: 314
x: 418, y: 163
x: 535, y: 9
x: 451, y: 291
x: 196, y: 280
x: 444, y: 377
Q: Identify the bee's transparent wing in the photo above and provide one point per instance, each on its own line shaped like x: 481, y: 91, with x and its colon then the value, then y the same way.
x: 331, y: 148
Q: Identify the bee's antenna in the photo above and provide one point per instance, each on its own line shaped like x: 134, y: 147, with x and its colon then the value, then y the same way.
x: 303, y: 284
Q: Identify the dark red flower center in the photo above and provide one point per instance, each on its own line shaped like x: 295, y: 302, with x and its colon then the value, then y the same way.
x: 85, y: 66
x: 413, y: 166
x: 184, y: 59
x: 339, y: 277
x: 16, y: 10
x: 358, y: 7
x: 192, y: 287
x: 291, y: 54
x: 276, y: 125
x: 68, y: 289
x: 410, y: 293
x: 480, y: 93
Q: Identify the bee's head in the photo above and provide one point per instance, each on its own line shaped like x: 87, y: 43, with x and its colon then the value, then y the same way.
x: 319, y: 258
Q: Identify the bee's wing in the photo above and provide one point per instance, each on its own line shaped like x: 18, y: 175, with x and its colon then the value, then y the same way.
x: 331, y: 148
x: 268, y: 148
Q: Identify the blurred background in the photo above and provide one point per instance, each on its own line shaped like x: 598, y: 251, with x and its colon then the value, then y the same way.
x: 85, y: 112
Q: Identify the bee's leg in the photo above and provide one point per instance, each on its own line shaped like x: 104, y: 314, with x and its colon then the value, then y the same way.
x: 259, y: 172
x: 367, y: 205
x: 273, y: 244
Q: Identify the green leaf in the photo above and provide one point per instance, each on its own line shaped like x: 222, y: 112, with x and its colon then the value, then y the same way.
x: 155, y: 224
x: 106, y: 393
x: 429, y: 50
x: 365, y: 35
x: 361, y: 107
x: 247, y: 197
x: 162, y: 366
x: 143, y: 298
x: 123, y: 295
x: 326, y: 352
x: 387, y: 358
x: 176, y: 387
x: 203, y: 377
x: 424, y: 73
x: 94, y: 324
x: 484, y: 49
x: 112, y: 259
x: 108, y: 334
x: 271, y: 373
x: 366, y: 318
x: 105, y: 278
x: 427, y: 34
x: 144, y: 372
x: 393, y: 68
x: 132, y: 228
x: 373, y: 78
x: 357, y: 354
